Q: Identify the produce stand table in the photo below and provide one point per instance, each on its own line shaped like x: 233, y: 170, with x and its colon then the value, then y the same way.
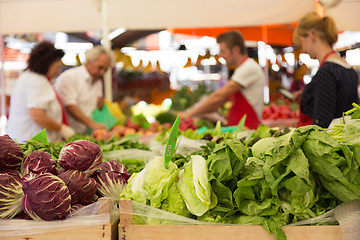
x: 128, y: 231
x: 68, y: 229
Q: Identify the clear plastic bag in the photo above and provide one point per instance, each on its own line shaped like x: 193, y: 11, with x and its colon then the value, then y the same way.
x: 101, y: 212
x: 130, y: 153
x: 184, y: 145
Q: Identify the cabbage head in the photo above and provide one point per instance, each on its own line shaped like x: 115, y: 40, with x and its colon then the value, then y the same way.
x: 81, y: 187
x: 11, y: 154
x: 46, y: 197
x: 134, y: 189
x: 158, y: 180
x: 11, y: 193
x: 81, y: 155
x: 111, y: 178
x: 194, y: 186
x: 38, y: 162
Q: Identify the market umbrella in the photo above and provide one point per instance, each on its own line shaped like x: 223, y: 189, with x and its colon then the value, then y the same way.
x: 36, y: 16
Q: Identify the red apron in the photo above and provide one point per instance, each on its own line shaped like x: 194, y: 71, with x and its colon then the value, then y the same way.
x: 64, y: 118
x: 240, y: 107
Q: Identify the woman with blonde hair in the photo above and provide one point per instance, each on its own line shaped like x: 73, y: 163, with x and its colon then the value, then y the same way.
x: 333, y: 88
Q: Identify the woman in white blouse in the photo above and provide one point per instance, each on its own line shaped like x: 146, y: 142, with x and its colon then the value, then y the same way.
x: 35, y: 104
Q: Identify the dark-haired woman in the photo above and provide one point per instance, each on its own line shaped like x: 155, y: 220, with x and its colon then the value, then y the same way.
x: 35, y: 104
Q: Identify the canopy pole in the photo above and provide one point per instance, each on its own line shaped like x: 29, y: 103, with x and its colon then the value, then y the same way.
x: 3, y: 118
x: 107, y: 44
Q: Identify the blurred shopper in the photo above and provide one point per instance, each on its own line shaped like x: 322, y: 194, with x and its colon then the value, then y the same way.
x: 35, y: 104
x: 333, y: 88
x: 81, y: 89
x: 245, y: 87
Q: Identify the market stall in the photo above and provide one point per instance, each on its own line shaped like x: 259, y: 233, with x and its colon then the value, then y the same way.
x: 213, y: 184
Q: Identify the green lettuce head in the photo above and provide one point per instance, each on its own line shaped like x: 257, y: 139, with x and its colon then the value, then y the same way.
x: 194, y: 186
x: 134, y: 189
x: 158, y: 180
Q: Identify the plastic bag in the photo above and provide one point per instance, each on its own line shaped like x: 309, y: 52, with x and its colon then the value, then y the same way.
x: 101, y: 212
x: 184, y: 145
x: 104, y: 116
x: 115, y: 110
x: 123, y: 154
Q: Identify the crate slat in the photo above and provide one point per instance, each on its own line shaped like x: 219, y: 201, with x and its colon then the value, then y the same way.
x: 128, y: 231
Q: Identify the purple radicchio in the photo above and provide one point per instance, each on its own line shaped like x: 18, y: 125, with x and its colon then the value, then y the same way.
x: 81, y: 155
x: 11, y: 154
x: 81, y: 187
x: 112, y: 178
x: 46, y: 197
x: 75, y: 207
x: 11, y: 193
x: 38, y: 162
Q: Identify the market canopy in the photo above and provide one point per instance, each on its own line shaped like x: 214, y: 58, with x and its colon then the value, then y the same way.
x: 36, y: 16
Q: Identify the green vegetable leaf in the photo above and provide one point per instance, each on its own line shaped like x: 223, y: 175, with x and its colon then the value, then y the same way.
x: 41, y: 137
x: 171, y: 142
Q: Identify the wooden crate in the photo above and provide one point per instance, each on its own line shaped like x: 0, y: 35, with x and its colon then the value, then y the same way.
x: 127, y: 231
x: 50, y: 231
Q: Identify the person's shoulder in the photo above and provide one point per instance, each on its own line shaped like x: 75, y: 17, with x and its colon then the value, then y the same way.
x: 331, y: 63
x: 69, y: 74
x: 32, y: 77
x: 72, y: 70
x: 251, y: 63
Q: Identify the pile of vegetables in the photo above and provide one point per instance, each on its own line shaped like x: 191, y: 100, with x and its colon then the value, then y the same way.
x: 271, y: 182
x: 280, y: 110
x: 35, y: 185
x: 134, y: 125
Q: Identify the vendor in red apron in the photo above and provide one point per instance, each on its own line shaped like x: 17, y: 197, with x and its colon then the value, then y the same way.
x: 245, y: 88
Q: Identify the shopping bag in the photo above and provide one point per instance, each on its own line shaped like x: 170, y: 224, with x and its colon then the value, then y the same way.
x: 104, y: 116
x: 114, y: 109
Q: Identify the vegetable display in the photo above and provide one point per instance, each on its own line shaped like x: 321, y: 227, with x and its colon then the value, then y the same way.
x: 270, y: 177
x: 274, y: 181
x: 55, y: 178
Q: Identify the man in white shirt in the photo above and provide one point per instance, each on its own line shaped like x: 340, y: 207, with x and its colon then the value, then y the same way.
x: 81, y: 89
x: 245, y: 87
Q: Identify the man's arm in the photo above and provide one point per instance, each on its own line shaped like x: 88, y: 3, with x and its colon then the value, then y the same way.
x: 213, y: 101
x: 76, y: 112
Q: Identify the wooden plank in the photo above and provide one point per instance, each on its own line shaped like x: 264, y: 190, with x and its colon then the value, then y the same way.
x: 209, y: 232
x: 125, y: 208
x: 96, y: 232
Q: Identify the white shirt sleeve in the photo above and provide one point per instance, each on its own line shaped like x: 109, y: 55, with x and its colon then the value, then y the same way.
x: 66, y: 85
x: 246, y: 74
